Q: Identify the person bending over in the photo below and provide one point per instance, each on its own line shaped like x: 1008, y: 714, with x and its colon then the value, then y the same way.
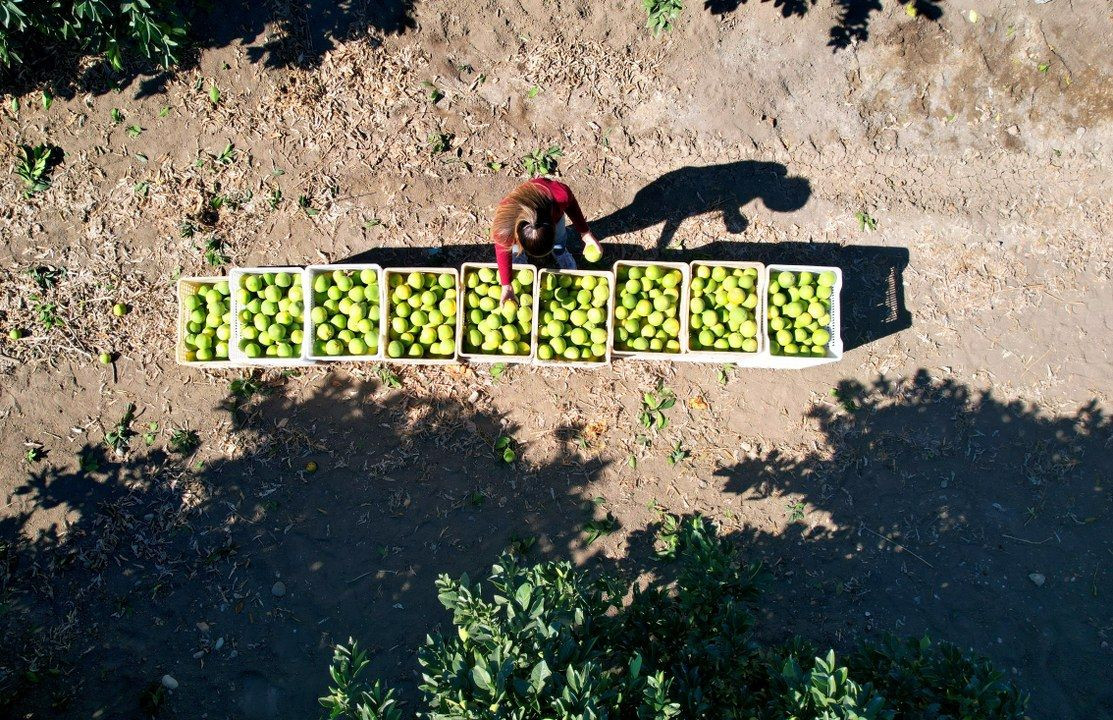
x: 530, y: 223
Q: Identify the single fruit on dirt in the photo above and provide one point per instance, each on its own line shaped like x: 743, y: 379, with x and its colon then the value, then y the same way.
x: 15, y: 334
x: 120, y: 309
x: 593, y: 253
x: 311, y: 467
x: 105, y: 358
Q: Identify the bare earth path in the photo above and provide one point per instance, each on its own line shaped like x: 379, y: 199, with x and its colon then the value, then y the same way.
x: 950, y: 476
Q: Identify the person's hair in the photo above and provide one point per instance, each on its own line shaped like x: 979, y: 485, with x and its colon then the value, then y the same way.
x: 525, y: 217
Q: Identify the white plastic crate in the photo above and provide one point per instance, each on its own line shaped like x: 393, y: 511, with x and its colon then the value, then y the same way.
x: 236, y: 355
x: 384, y: 335
x: 191, y: 284
x: 736, y: 357
x: 834, y: 346
x: 685, y: 281
x: 608, y: 310
x: 461, y: 308
x: 308, y: 330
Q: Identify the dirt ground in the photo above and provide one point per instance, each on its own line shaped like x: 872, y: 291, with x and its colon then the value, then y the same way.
x: 949, y: 476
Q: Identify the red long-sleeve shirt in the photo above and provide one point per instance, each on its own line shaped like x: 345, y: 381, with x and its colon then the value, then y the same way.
x: 564, y: 203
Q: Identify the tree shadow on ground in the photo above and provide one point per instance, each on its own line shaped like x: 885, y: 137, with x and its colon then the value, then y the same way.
x: 924, y: 508
x: 854, y: 15
x: 278, y: 34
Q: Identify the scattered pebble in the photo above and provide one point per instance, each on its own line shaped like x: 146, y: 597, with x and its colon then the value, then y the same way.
x: 278, y: 589
x: 169, y: 683
x: 1038, y: 579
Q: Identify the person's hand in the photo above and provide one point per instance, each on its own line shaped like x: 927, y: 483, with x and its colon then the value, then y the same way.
x: 508, y: 294
x: 593, y: 252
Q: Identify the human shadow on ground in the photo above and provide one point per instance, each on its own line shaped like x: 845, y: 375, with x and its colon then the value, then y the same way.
x: 854, y: 15
x: 697, y: 190
x: 872, y: 299
x: 303, y: 33
x: 927, y: 507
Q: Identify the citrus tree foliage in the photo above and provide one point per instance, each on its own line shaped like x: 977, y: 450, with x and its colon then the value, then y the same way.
x: 152, y: 29
x: 551, y: 642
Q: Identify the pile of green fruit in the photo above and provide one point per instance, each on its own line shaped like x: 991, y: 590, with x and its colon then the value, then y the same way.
x: 647, y: 316
x: 495, y: 328
x: 208, y: 322
x: 422, y: 315
x: 573, y: 322
x: 271, y: 315
x: 799, y: 312
x: 345, y: 313
x: 723, y: 309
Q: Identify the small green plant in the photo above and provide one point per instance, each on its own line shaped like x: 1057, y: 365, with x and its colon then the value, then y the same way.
x: 796, y: 511
x: 151, y: 434
x: 214, y: 94
x: 184, y: 442
x: 227, y: 156
x: 47, y: 313
x: 678, y: 454
x: 305, y: 204
x: 504, y: 448
x: 595, y: 529
x: 654, y: 405
x: 88, y: 461
x: 497, y: 371
x: 661, y: 14
x: 214, y: 252
x: 116, y: 115
x: 119, y: 436
x: 724, y: 373
x: 439, y: 142
x: 542, y: 162
x: 433, y: 92
x: 244, y: 388
x: 388, y: 377
x: 134, y: 131
x: 34, y: 165
x: 533, y: 92
x: 48, y: 99
x: 45, y: 276
x: 275, y: 199
x: 866, y: 223
x: 33, y: 455
x: 348, y: 698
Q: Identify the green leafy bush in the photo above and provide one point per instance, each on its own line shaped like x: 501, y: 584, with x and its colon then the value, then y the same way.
x: 153, y: 29
x: 549, y: 641
x: 661, y: 14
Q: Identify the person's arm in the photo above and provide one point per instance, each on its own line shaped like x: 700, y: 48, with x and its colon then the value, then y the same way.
x: 504, y: 258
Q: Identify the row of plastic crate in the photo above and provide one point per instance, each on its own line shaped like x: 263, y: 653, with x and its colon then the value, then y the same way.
x: 761, y: 358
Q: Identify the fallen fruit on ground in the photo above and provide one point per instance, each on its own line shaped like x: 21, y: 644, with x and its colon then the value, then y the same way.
x: 647, y: 310
x: 492, y: 327
x: 722, y: 309
x: 422, y: 315
x: 799, y: 312
x: 271, y: 309
x: 208, y: 322
x: 573, y: 322
x: 105, y: 358
x: 345, y: 312
x: 120, y: 309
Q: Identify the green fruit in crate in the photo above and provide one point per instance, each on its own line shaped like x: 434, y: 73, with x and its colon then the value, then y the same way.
x: 723, y: 308
x: 801, y: 326
x: 273, y: 310
x: 421, y: 312
x: 492, y: 328
x: 208, y: 326
x: 651, y: 304
x: 348, y: 304
x: 577, y: 306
